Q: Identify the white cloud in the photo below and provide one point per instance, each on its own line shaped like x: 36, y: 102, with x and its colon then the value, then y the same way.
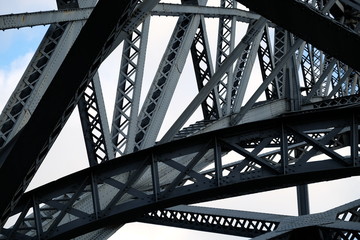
x: 18, y: 6
x: 66, y: 156
x: 137, y: 231
x: 10, y: 75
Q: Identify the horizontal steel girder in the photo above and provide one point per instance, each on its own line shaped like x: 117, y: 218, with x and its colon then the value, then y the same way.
x: 310, y: 25
x: 224, y: 221
x: 340, y: 221
x: 272, y: 154
x: 43, y: 18
x: 48, y: 17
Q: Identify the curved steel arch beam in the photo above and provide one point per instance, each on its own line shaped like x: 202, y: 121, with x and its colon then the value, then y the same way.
x: 172, y: 173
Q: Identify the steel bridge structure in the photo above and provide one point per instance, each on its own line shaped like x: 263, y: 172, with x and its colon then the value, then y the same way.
x: 276, y: 104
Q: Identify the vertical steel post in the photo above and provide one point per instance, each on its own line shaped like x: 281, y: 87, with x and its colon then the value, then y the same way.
x: 303, y: 199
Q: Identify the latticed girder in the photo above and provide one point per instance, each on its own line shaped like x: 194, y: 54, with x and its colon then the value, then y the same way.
x: 94, y: 124
x: 14, y: 116
x: 337, y: 83
x: 320, y: 63
x: 264, y: 85
x: 159, y: 96
x: 242, y: 47
x: 203, y: 68
x: 350, y: 80
x: 266, y: 58
x: 239, y: 223
x: 338, y: 223
x: 281, y: 45
x: 331, y: 224
x: 339, y: 80
x: 46, y: 61
x: 307, y: 27
x: 64, y: 97
x: 225, y: 45
x: 242, y: 71
x: 270, y: 154
x: 124, y: 124
x: 312, y: 65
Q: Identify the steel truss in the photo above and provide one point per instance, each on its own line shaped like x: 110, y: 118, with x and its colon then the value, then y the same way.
x: 270, y: 154
x: 336, y: 223
x: 284, y: 139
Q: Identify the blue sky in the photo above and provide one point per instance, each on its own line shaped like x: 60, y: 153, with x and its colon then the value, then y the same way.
x: 16, y: 49
x: 14, y: 43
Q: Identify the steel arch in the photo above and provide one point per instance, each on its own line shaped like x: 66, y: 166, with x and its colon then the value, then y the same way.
x: 325, y: 140
x: 173, y: 173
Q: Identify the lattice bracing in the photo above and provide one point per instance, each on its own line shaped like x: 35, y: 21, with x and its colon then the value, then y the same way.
x: 204, y: 70
x: 130, y: 79
x: 143, y: 180
x: 278, y: 108
x: 206, y: 219
x: 20, y: 97
x: 94, y: 123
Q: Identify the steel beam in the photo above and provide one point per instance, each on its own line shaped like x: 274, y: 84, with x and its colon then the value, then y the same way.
x: 126, y: 188
x: 32, y: 19
x: 214, y: 81
x: 203, y: 68
x: 224, y: 221
x: 342, y: 221
x: 242, y: 71
x: 249, y: 104
x: 79, y: 66
x: 311, y: 25
x: 127, y: 103
x: 159, y: 96
x: 43, y: 18
x: 225, y: 45
x: 257, y: 170
x: 94, y: 124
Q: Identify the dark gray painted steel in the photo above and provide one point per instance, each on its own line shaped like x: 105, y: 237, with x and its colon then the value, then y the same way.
x: 257, y: 172
x: 59, y: 100
x: 310, y: 25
